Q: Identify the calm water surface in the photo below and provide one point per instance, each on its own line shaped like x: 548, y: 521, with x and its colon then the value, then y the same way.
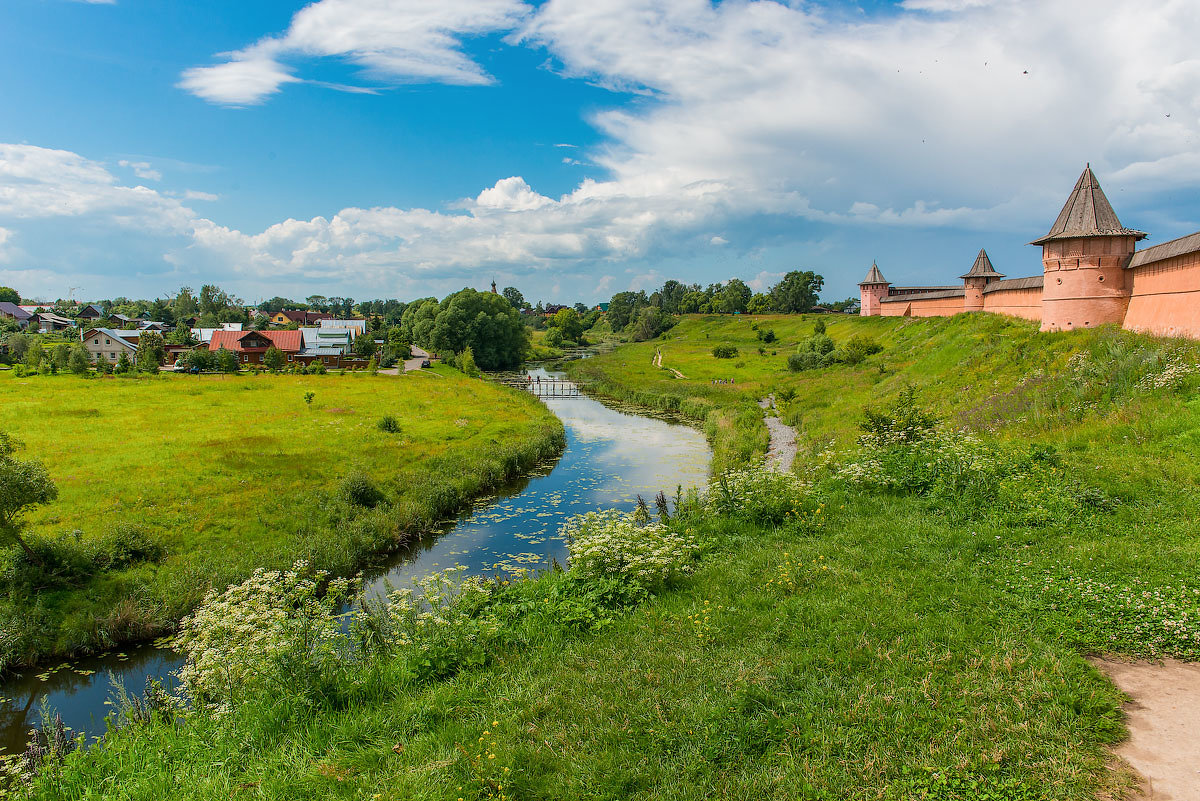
x: 612, y: 456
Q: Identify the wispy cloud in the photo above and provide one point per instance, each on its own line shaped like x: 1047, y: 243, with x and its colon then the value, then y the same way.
x: 391, y: 42
x: 142, y: 169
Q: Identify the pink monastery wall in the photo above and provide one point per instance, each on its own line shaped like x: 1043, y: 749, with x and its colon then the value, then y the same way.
x: 1092, y: 274
x: 1026, y: 303
x: 1166, y: 297
x: 937, y: 307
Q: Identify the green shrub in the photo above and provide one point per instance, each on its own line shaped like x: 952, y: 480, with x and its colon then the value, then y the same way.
x: 359, y: 490
x: 388, y: 424
x: 807, y: 360
x: 725, y: 351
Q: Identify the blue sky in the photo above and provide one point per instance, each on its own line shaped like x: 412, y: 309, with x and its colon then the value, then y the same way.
x: 378, y: 148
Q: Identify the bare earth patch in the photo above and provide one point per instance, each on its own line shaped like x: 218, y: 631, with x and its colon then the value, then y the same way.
x: 1163, y: 718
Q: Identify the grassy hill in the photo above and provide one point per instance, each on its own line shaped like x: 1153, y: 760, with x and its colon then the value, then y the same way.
x: 910, y: 619
x: 171, y: 485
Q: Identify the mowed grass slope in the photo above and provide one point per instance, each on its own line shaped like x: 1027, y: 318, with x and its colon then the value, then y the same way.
x: 233, y: 473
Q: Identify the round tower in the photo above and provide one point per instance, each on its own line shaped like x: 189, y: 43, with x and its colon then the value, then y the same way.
x: 1084, y: 259
x: 871, y: 290
x: 976, y: 280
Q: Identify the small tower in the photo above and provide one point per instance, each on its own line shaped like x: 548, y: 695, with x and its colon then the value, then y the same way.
x: 871, y: 290
x: 978, y: 277
x: 1084, y: 258
x: 494, y: 292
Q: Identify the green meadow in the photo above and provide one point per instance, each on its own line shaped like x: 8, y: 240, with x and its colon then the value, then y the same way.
x: 979, y: 507
x: 171, y: 485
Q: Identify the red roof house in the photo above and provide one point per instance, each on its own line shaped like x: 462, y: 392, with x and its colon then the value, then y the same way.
x: 249, y: 346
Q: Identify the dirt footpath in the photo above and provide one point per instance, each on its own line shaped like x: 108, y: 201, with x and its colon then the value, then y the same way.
x: 782, y: 451
x: 1163, y: 718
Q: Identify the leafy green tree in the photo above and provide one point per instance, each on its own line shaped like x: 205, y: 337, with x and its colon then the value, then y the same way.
x: 759, y: 304
x: 227, y: 361
x: 274, y: 359
x: 466, y: 362
x: 514, y: 296
x: 694, y: 302
x: 33, y: 355
x: 184, y: 304
x: 103, y: 366
x: 201, y: 359
x: 486, y: 323
x: 623, y: 308
x: 24, y: 483
x: 123, y: 364
x: 151, y: 352
x: 9, y: 295
x: 553, y: 338
x: 650, y: 323
x: 78, y: 361
x: 364, y: 347
x: 569, y: 323
x: 797, y: 292
x: 373, y: 366
x: 182, y: 335
x: 671, y: 295
x: 734, y: 298
x: 60, y: 356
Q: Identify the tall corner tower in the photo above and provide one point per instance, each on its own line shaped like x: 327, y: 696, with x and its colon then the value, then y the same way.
x: 1084, y: 258
x: 976, y: 280
x: 871, y: 290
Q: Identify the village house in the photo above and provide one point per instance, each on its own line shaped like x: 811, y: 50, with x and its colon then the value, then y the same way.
x: 358, y: 326
x: 251, y: 346
x: 49, y: 321
x: 90, y: 313
x: 11, y: 311
x: 107, y: 344
x: 300, y: 318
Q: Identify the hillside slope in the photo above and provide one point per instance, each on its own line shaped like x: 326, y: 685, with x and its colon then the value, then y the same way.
x: 908, y: 621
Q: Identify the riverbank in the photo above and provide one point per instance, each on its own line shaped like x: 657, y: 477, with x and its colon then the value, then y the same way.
x: 907, y: 619
x: 172, y: 485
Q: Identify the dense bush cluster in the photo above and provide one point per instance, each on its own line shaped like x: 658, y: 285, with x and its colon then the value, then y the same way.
x: 725, y: 351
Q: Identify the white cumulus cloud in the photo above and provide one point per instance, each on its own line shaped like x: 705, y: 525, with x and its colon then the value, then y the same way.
x: 392, y: 43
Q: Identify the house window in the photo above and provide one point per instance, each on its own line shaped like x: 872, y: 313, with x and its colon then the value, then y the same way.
x: 95, y: 342
x: 245, y: 359
x: 289, y: 357
x: 106, y: 342
x: 112, y: 356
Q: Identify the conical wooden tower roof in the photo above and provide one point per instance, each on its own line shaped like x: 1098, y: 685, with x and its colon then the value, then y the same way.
x: 1087, y: 213
x: 982, y: 268
x: 873, y: 276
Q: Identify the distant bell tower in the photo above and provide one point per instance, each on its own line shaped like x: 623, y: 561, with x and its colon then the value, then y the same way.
x: 871, y: 290
x: 976, y: 280
x: 1084, y: 258
x: 494, y: 292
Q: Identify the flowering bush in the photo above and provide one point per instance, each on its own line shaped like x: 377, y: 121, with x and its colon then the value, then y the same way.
x: 612, y: 543
x: 239, y: 639
x: 445, y: 623
x: 756, y: 493
x: 1172, y: 373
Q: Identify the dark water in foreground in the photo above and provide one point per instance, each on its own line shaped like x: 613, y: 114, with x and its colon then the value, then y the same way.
x: 612, y: 456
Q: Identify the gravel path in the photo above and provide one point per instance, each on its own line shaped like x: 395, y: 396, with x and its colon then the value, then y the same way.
x: 1163, y: 717
x: 782, y: 451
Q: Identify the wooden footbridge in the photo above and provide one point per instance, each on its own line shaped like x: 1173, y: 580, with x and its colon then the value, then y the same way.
x: 541, y: 386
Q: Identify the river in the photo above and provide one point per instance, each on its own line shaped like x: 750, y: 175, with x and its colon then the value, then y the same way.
x: 612, y: 455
